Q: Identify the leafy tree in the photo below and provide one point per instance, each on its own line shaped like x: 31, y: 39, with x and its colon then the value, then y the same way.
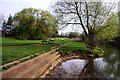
x: 3, y: 28
x: 46, y: 25
x: 107, y: 34
x: 54, y: 27
x: 35, y: 24
x: 88, y: 15
x: 7, y: 27
x: 26, y: 20
x: 10, y: 21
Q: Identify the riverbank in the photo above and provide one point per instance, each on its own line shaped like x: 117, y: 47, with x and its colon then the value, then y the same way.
x: 64, y: 58
x: 97, y: 68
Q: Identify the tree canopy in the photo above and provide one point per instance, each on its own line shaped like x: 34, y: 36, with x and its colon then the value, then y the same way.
x: 107, y: 34
x: 32, y: 23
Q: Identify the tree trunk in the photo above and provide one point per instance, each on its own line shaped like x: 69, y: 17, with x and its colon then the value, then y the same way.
x: 89, y: 71
x: 90, y: 40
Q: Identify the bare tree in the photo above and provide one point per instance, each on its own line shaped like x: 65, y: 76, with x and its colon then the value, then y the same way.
x: 88, y: 15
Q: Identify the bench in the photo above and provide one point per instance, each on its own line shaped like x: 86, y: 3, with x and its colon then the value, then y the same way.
x: 48, y: 41
x: 44, y: 41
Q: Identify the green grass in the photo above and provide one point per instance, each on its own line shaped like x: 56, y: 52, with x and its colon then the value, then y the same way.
x: 73, y: 47
x: 11, y: 51
x: 12, y: 42
x: 15, y: 42
x: 16, y: 52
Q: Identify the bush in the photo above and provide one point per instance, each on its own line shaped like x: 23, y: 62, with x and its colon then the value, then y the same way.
x: 83, y: 37
x: 97, y: 52
x: 73, y: 34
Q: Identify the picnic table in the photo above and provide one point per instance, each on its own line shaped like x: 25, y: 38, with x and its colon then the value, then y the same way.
x: 48, y: 41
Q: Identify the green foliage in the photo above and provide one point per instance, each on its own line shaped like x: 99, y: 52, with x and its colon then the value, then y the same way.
x: 34, y: 24
x: 7, y: 27
x: 110, y: 32
x: 10, y: 20
x: 13, y: 49
x: 72, y: 47
x: 97, y: 52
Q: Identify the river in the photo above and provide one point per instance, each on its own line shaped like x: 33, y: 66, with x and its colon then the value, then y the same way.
x: 103, y: 67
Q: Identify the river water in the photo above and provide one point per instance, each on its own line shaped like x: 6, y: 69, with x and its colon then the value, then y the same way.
x: 103, y: 67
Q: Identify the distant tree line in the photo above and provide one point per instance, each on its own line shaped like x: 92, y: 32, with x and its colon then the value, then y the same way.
x: 30, y: 23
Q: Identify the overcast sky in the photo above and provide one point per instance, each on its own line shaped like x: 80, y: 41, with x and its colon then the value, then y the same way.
x: 13, y: 6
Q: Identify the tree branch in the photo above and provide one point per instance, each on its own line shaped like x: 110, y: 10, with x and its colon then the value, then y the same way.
x: 80, y: 19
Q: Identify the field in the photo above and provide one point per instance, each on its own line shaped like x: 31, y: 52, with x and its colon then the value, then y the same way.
x: 13, y: 49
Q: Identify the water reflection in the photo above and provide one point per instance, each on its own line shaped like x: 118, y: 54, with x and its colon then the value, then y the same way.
x: 104, y: 67
x: 91, y: 69
x: 70, y: 69
x: 100, y: 64
x: 111, y: 57
x: 74, y: 67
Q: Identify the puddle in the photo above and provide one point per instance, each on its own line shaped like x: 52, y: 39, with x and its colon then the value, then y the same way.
x: 74, y: 67
x: 69, y: 69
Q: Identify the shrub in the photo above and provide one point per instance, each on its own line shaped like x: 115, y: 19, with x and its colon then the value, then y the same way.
x: 97, y: 52
x: 73, y: 34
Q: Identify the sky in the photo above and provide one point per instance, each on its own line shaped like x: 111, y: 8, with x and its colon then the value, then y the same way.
x: 13, y: 6
x: 8, y: 7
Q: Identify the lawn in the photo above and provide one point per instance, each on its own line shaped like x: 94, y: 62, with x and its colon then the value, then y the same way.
x: 13, y: 49
x: 73, y: 46
x: 12, y: 42
x: 15, y: 42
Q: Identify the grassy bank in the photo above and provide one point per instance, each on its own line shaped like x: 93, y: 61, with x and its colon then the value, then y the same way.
x: 13, y: 49
x: 73, y: 46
